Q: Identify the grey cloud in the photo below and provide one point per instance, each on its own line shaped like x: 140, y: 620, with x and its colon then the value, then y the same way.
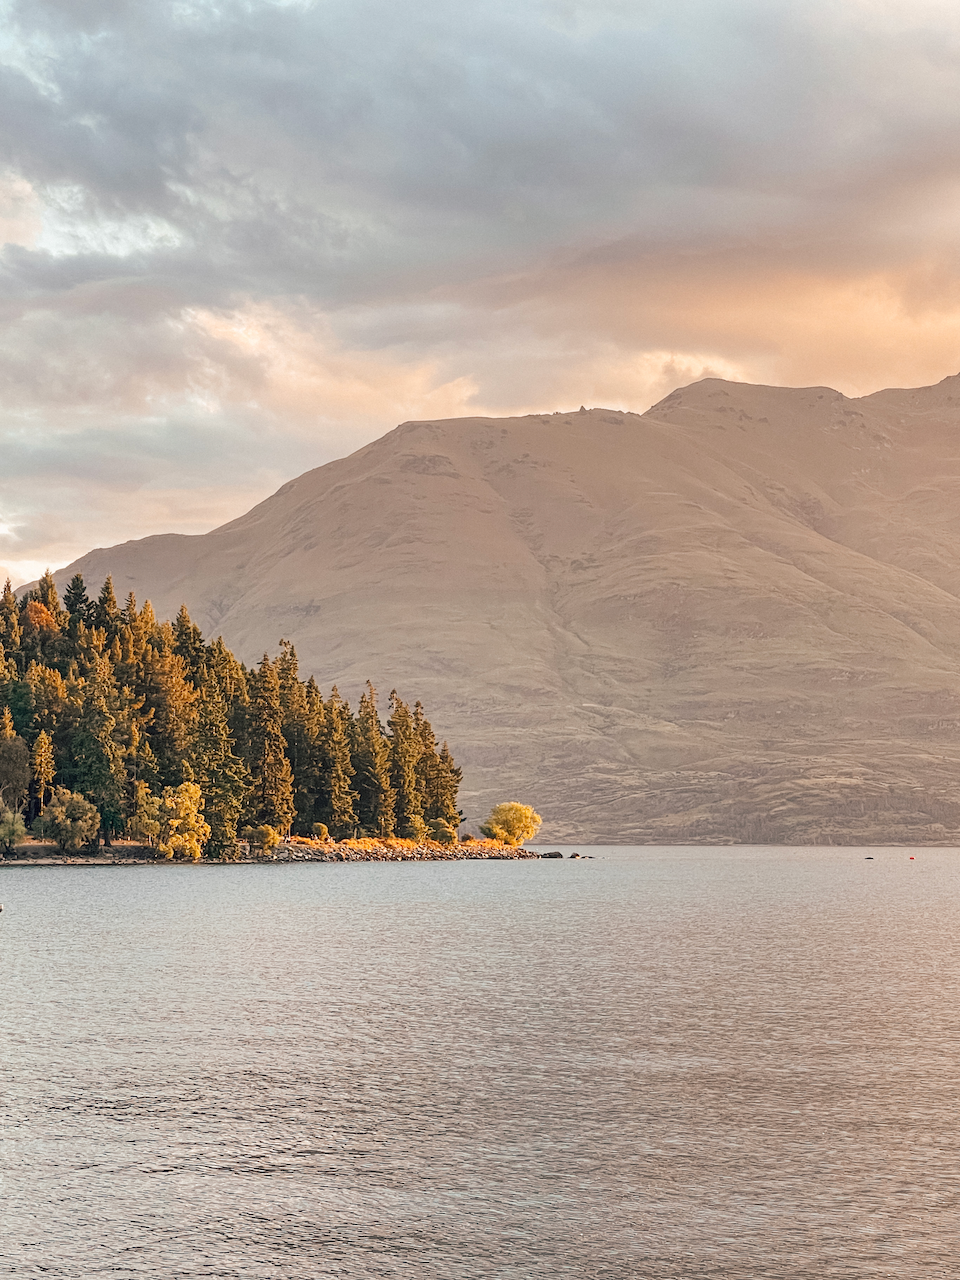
x: 494, y: 190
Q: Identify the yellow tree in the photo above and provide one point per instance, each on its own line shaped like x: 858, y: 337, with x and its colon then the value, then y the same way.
x: 183, y: 832
x: 43, y: 766
x: 512, y: 823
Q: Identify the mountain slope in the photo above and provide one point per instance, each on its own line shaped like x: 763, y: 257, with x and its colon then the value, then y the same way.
x: 733, y: 617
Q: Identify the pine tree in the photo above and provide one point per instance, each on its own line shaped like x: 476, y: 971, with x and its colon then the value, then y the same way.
x: 427, y: 763
x: 44, y: 768
x: 171, y: 698
x: 371, y: 760
x: 107, y: 611
x: 338, y: 806
x: 188, y: 643
x: 404, y: 754
x: 220, y: 774
x: 300, y: 731
x: 449, y: 777
x: 81, y: 611
x: 98, y: 757
x: 46, y: 594
x: 270, y: 802
x: 9, y: 619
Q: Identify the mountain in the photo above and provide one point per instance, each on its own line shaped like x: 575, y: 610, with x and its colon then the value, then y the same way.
x: 734, y: 617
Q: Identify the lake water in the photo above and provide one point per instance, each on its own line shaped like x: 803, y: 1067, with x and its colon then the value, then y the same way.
x: 661, y: 1063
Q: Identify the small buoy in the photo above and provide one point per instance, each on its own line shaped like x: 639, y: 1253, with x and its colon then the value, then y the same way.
x: 911, y: 857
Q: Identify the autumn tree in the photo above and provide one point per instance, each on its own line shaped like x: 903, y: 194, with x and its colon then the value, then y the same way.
x: 183, y: 830
x: 512, y: 823
x: 43, y: 766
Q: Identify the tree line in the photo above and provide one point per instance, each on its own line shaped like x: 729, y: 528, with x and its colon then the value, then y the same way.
x: 115, y: 722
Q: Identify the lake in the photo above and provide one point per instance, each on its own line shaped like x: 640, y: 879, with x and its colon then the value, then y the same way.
x: 662, y: 1063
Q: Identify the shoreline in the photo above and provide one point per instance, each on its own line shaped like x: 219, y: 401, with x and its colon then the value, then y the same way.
x: 334, y: 852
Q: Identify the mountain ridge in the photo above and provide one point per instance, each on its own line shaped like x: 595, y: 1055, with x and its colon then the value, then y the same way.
x: 735, y: 616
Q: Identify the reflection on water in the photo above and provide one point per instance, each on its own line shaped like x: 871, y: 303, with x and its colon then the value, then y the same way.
x: 659, y: 1063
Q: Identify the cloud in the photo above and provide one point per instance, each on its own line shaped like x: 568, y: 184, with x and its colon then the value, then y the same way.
x: 266, y: 231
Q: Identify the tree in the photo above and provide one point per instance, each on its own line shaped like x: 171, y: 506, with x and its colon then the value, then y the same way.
x: 12, y: 829
x: 79, y: 606
x: 171, y: 698
x: 439, y: 778
x: 405, y: 748
x: 46, y: 594
x: 443, y: 802
x: 220, y: 774
x: 188, y: 644
x: 99, y: 770
x: 14, y: 763
x: 338, y: 808
x: 9, y: 619
x: 43, y: 766
x: 183, y: 832
x: 143, y: 824
x: 512, y: 823
x: 303, y: 720
x: 371, y: 759
x: 270, y: 801
x: 69, y: 819
x: 107, y: 611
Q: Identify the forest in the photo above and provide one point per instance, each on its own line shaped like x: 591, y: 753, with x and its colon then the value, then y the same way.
x: 114, y: 724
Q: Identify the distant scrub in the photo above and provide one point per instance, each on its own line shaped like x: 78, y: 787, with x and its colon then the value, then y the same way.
x: 112, y: 722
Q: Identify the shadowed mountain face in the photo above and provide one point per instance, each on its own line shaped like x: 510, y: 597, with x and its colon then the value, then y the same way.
x: 735, y: 617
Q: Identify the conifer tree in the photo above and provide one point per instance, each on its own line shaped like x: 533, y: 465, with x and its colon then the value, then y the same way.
x: 80, y: 608
x: 99, y: 771
x: 171, y: 698
x: 188, y: 644
x: 338, y: 806
x: 9, y: 619
x: 46, y: 594
x: 107, y: 611
x: 448, y: 779
x: 300, y: 731
x: 220, y: 774
x: 404, y: 754
x: 371, y: 759
x: 43, y: 767
x: 270, y: 802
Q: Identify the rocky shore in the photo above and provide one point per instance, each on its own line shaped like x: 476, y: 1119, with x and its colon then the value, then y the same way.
x: 122, y: 853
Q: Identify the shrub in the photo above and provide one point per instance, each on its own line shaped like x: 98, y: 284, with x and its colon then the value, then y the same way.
x: 442, y: 832
x: 265, y: 837
x: 69, y: 819
x: 320, y: 831
x: 12, y: 829
x: 511, y: 823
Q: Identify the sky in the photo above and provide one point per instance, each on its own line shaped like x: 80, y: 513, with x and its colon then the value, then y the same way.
x: 242, y: 238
